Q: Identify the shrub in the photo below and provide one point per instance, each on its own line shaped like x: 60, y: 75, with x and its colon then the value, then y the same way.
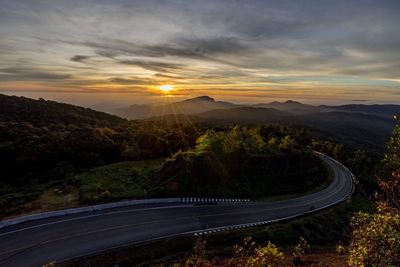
x: 250, y: 255
x: 244, y: 249
x: 198, y: 257
x: 376, y: 239
x: 299, y: 251
x: 340, y: 249
x: 268, y: 255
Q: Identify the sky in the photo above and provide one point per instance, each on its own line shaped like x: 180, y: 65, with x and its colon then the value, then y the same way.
x: 115, y: 53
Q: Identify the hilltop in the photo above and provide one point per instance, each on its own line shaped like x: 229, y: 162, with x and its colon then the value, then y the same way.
x: 45, y: 112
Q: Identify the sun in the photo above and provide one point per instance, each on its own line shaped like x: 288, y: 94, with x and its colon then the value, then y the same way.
x: 166, y: 88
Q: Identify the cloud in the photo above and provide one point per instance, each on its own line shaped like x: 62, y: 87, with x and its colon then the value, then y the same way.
x: 153, y: 65
x: 131, y: 81
x: 79, y: 58
x: 225, y: 43
x: 24, y: 74
x: 194, y: 48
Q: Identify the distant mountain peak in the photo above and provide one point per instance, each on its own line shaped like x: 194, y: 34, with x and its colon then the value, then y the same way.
x: 286, y: 102
x: 292, y: 102
x: 204, y: 98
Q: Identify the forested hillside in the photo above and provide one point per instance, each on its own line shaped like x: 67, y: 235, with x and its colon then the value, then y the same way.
x: 341, y: 123
x: 246, y: 162
x: 44, y: 141
x: 46, y: 145
x: 345, y: 127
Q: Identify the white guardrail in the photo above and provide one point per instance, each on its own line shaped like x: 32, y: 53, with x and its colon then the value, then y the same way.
x: 57, y: 213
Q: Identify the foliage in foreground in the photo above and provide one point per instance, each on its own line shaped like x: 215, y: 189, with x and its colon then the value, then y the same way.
x: 376, y: 237
x: 248, y: 253
x: 299, y: 251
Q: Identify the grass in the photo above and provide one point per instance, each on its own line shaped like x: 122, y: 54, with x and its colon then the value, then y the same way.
x: 25, y: 200
x: 123, y: 180
x: 118, y: 181
x: 50, y: 200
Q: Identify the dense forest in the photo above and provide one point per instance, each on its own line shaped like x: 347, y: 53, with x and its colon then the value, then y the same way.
x: 45, y: 144
x: 246, y: 162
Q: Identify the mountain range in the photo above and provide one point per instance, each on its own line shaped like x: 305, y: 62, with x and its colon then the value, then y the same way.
x: 203, y: 104
x: 189, y: 106
x: 361, y: 126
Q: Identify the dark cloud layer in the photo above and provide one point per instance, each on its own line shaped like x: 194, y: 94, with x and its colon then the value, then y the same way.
x: 198, y: 48
x: 79, y: 58
x: 130, y: 81
x: 18, y: 74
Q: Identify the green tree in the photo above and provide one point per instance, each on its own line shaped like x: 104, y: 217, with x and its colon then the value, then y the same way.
x: 376, y: 240
x: 287, y: 143
x: 393, y: 155
x: 376, y: 237
x: 211, y: 141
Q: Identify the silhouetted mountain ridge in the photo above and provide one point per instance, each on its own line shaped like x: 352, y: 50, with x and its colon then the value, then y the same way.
x: 290, y: 106
x: 362, y: 126
x: 188, y: 106
x: 206, y: 103
x: 387, y: 110
x: 204, y: 98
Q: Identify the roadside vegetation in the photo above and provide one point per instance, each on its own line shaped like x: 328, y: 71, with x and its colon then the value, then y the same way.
x: 112, y: 182
x: 123, y: 180
x: 277, y: 162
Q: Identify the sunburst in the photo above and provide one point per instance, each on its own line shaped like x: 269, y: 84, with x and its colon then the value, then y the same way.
x: 166, y: 88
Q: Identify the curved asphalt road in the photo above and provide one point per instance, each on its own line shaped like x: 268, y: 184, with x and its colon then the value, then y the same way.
x: 35, y: 243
